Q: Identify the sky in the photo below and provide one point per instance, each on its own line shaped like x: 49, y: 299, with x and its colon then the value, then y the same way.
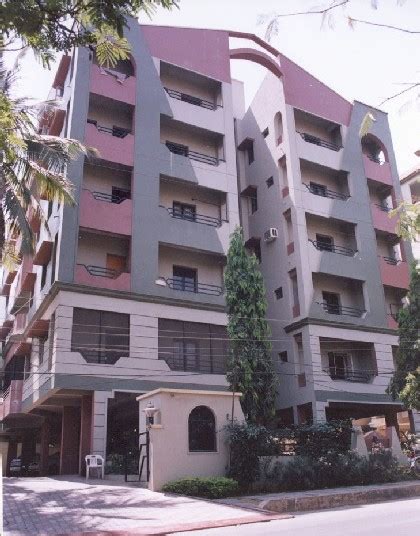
x: 366, y: 63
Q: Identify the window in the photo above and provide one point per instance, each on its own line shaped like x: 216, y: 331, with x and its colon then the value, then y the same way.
x: 41, y: 349
x: 54, y: 259
x: 269, y: 182
x: 100, y: 336
x: 331, y: 302
x: 318, y: 189
x: 50, y: 207
x: 202, y: 430
x: 254, y: 202
x: 44, y: 275
x: 183, y: 211
x: 279, y: 293
x: 338, y: 365
x: 283, y: 357
x: 324, y: 242
x: 186, y: 356
x: 51, y: 333
x: 184, y: 279
x: 193, y: 346
x: 265, y: 132
x: 250, y: 153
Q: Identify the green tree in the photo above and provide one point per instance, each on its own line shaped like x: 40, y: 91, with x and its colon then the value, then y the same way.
x: 59, y: 25
x: 250, y: 366
x: 405, y: 382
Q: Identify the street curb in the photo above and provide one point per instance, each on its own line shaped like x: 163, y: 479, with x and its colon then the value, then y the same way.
x: 325, y: 499
x: 187, y: 527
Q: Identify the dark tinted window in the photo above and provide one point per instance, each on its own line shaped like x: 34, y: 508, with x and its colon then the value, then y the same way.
x: 202, y: 430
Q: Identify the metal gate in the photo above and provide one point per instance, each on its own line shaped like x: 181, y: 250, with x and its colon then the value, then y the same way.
x: 140, y: 455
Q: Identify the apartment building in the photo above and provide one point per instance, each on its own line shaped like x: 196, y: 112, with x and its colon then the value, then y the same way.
x: 410, y: 187
x: 314, y: 204
x: 125, y: 293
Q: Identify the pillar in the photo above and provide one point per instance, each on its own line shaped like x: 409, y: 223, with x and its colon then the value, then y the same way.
x: 11, y: 453
x: 44, y: 450
x: 99, y: 422
x: 28, y: 447
x: 85, y: 431
x: 69, y: 453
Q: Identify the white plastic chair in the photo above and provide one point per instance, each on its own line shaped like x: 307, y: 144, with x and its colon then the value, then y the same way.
x: 96, y: 462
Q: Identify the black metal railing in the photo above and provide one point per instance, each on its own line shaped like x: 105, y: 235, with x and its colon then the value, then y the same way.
x: 185, y: 97
x: 310, y: 138
x: 198, y: 361
x: 194, y: 217
x: 349, y: 375
x: 101, y: 271
x: 187, y: 285
x: 326, y: 246
x: 117, y: 132
x: 111, y: 198
x: 374, y: 158
x: 325, y: 192
x: 391, y: 260
x: 183, y: 150
x: 382, y: 207
x: 335, y: 309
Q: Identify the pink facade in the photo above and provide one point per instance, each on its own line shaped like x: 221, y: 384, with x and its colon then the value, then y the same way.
x: 394, y: 275
x: 83, y: 277
x: 120, y: 89
x: 382, y: 221
x: 378, y: 172
x: 203, y: 51
x: 304, y: 91
x: 103, y: 216
x: 112, y: 148
x: 12, y: 401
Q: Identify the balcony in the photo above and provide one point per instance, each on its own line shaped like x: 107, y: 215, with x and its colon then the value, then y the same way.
x: 183, y: 150
x: 320, y: 142
x: 114, y: 144
x: 12, y: 399
x: 113, y: 84
x: 8, y: 280
x: 23, y: 286
x: 394, y: 273
x: 377, y: 171
x: 340, y: 250
x: 336, y: 309
x: 106, y: 212
x: 318, y: 189
x: 43, y: 252
x: 102, y: 277
x: 191, y: 99
x: 350, y: 375
x: 381, y: 219
x: 186, y: 285
x: 201, y: 219
x: 348, y: 360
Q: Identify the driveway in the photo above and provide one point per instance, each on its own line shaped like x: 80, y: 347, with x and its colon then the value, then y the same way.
x: 66, y: 505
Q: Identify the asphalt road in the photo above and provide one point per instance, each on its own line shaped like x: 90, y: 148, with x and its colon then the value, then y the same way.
x: 397, y: 518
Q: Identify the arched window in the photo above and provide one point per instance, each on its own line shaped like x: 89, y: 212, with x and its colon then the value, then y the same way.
x: 374, y: 149
x: 202, y: 430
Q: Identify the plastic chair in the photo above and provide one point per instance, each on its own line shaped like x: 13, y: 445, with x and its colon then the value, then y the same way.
x: 96, y: 462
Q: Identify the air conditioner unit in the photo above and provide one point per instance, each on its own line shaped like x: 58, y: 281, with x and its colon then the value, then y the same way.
x: 271, y: 234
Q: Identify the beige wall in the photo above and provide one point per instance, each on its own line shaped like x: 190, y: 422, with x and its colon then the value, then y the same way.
x: 171, y: 191
x: 110, y: 113
x: 196, y: 142
x: 322, y: 175
x: 93, y: 249
x: 102, y: 179
x: 350, y: 291
x: 342, y: 234
x: 196, y: 87
x: 171, y: 429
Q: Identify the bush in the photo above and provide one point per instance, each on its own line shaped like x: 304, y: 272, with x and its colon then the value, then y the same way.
x: 336, y: 470
x: 323, y: 439
x: 209, y: 488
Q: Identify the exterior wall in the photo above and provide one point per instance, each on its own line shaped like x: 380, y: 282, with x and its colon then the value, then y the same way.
x: 171, y: 427
x: 410, y: 184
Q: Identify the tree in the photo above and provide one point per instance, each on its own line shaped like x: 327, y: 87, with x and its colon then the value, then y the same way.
x: 60, y: 25
x: 406, y: 380
x: 250, y: 366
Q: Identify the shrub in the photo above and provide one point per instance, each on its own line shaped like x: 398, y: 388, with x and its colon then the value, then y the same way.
x: 209, y: 488
x: 323, y: 439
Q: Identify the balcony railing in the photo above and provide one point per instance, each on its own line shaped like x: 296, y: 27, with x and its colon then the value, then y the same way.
x: 348, y: 375
x: 394, y: 310
x: 325, y: 192
x: 318, y: 141
x: 100, y: 271
x: 112, y: 198
x: 374, y: 158
x: 391, y: 260
x: 334, y: 309
x: 183, y: 150
x: 195, y: 218
x: 341, y: 250
x: 187, y: 285
x: 117, y: 132
x: 196, y: 101
x: 382, y: 207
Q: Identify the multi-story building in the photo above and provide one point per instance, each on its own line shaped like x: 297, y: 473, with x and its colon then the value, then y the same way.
x: 410, y: 187
x: 124, y: 294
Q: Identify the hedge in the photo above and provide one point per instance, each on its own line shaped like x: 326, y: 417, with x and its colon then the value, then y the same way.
x: 207, y: 487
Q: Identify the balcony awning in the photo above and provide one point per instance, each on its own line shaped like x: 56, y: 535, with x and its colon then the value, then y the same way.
x: 39, y: 328
x: 8, y: 281
x: 18, y: 349
x: 43, y: 253
x: 5, y: 328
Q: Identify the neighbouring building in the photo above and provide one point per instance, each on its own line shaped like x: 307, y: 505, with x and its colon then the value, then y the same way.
x: 410, y: 187
x: 125, y: 295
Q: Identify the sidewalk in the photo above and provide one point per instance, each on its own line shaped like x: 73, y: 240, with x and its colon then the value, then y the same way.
x: 327, y: 498
x: 71, y: 506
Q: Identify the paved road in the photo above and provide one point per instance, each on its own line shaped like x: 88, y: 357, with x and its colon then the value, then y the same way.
x: 397, y: 518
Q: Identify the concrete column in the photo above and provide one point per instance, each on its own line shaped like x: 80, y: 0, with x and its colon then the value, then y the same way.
x: 69, y: 454
x: 28, y: 447
x: 85, y: 446
x: 319, y: 412
x: 44, y: 451
x: 11, y: 453
x: 99, y: 418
